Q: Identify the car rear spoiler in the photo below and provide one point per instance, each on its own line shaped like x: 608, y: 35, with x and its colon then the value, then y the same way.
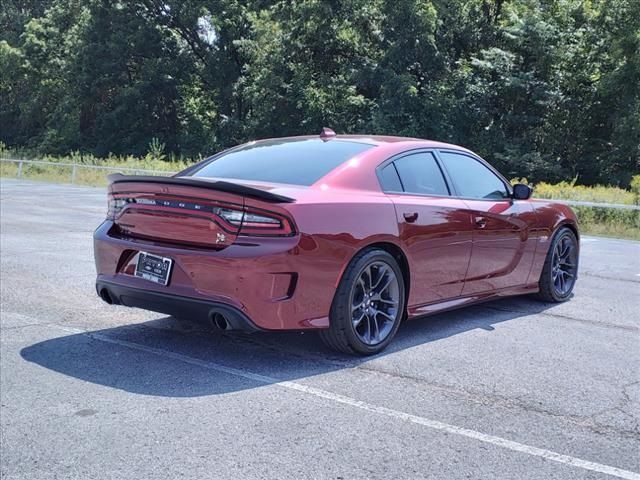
x: 193, y: 182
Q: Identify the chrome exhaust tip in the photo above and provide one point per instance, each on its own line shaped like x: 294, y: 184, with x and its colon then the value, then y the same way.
x: 220, y: 321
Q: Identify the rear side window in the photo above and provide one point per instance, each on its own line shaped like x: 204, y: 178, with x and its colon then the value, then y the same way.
x: 296, y: 162
x: 421, y: 174
x: 389, y: 179
x: 472, y: 179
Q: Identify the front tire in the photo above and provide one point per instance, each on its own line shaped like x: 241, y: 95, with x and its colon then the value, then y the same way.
x: 368, y: 305
x: 560, y: 267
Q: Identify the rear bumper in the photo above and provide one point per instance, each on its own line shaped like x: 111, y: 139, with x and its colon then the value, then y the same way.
x: 177, y: 306
x: 262, y: 283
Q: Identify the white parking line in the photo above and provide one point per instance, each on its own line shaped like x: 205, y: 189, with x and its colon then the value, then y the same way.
x: 407, y: 417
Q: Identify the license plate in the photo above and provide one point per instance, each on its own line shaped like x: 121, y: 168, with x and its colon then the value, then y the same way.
x: 153, y: 268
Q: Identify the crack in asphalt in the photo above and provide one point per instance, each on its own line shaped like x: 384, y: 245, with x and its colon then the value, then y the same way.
x: 488, y: 400
x: 339, y: 363
x: 598, y: 323
x: 509, y: 402
x: 370, y: 407
x: 605, y: 277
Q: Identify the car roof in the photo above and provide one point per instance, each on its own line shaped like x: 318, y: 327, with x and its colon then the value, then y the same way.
x: 364, y: 138
x: 356, y: 173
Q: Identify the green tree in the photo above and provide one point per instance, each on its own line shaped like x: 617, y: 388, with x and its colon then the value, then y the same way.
x: 547, y: 89
x: 309, y: 65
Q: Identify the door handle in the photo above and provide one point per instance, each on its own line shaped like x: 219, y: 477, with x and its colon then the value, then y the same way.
x: 480, y: 222
x: 410, y: 217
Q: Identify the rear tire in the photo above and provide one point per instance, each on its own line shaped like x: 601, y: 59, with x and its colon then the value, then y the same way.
x: 560, y: 268
x: 368, y: 305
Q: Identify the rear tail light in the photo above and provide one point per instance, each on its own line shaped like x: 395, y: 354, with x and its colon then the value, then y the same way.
x: 256, y: 222
x: 234, y: 217
x: 250, y: 221
x: 264, y: 223
x: 115, y: 206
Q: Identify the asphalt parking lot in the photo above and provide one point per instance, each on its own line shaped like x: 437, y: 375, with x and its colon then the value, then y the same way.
x: 510, y: 389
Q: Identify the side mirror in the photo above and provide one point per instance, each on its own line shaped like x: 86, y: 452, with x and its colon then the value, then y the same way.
x: 522, y: 191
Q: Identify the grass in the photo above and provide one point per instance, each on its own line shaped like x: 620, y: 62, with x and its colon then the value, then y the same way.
x: 608, y: 222
x: 601, y: 221
x: 84, y: 175
x: 593, y: 220
x: 596, y: 193
x: 56, y: 174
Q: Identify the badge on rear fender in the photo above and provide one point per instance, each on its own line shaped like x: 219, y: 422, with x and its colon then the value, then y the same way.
x: 220, y: 237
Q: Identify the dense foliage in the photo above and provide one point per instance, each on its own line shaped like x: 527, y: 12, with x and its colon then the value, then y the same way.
x: 547, y: 89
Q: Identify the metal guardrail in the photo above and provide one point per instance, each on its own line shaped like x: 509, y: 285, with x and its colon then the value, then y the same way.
x: 619, y: 206
x: 139, y: 171
x: 75, y: 166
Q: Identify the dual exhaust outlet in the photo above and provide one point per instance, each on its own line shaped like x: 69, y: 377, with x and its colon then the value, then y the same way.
x: 218, y: 320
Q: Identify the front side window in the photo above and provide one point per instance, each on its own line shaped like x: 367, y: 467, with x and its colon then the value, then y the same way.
x: 471, y: 178
x: 295, y: 162
x: 420, y: 174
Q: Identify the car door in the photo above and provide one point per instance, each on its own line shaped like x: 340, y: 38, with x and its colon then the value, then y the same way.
x: 503, y: 247
x: 435, y: 228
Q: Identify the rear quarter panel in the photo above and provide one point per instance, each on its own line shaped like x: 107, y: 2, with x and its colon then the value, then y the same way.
x: 333, y: 227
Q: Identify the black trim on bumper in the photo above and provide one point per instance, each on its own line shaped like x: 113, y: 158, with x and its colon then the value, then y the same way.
x: 174, y: 305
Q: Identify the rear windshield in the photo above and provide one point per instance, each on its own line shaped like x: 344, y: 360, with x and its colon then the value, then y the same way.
x: 296, y: 162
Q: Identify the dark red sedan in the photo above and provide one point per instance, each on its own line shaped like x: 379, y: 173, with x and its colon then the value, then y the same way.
x: 344, y: 234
